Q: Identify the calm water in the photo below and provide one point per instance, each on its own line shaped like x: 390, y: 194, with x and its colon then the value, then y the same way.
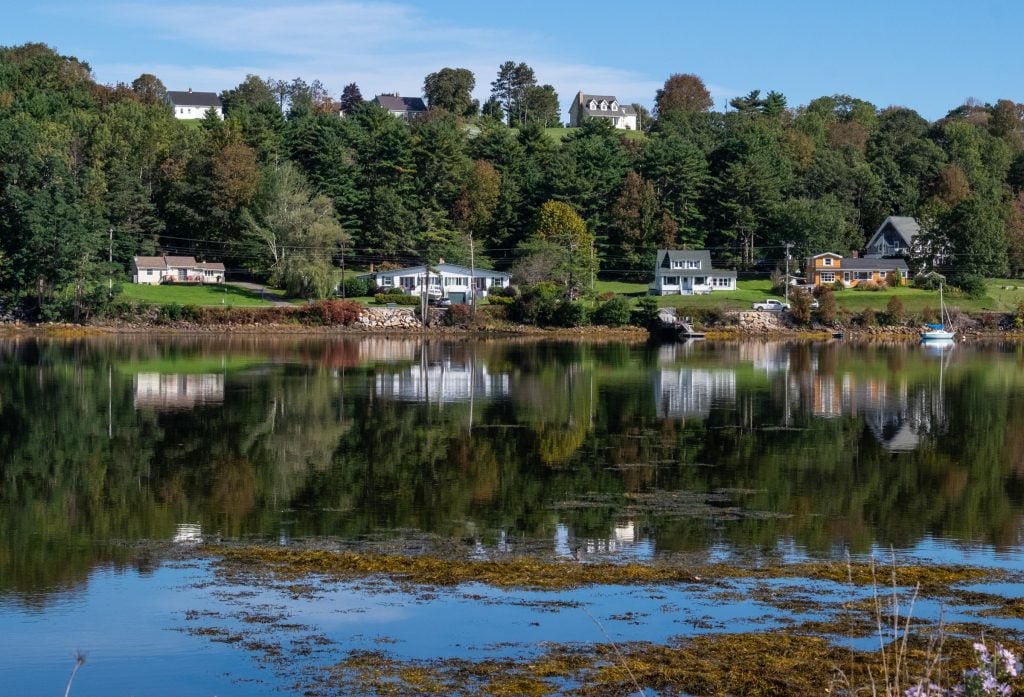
x: 586, y: 450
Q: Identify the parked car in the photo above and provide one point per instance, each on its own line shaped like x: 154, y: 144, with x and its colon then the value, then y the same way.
x: 771, y: 305
x: 440, y: 302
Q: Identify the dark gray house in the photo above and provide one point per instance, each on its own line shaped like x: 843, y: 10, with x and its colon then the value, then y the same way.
x: 403, y: 107
x: 893, y: 238
x: 689, y: 272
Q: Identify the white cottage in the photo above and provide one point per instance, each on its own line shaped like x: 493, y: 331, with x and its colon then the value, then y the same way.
x: 597, y: 106
x: 443, y: 280
x: 194, y: 105
x: 689, y: 272
x: 165, y: 269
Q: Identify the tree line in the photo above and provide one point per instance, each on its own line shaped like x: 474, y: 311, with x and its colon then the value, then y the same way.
x: 284, y: 188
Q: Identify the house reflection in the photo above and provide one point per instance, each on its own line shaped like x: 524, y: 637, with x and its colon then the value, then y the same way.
x: 693, y: 391
x: 623, y: 538
x: 178, y: 391
x: 448, y: 379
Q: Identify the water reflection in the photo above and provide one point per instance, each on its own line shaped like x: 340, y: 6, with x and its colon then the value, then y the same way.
x: 605, y: 449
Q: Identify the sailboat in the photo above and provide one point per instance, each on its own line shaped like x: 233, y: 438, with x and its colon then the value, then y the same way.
x: 941, y: 333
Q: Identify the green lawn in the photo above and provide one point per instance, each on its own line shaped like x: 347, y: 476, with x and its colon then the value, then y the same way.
x: 1004, y: 295
x: 196, y: 295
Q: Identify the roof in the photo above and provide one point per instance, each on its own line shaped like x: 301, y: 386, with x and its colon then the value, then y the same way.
x: 907, y: 228
x: 165, y: 262
x: 667, y: 256
x: 392, y: 102
x: 449, y: 269
x: 861, y: 264
x: 623, y: 110
x: 190, y: 98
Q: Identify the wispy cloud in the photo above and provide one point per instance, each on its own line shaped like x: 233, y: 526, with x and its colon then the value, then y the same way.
x: 382, y: 47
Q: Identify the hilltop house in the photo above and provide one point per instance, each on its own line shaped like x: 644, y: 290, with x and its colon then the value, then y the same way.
x: 165, y: 269
x: 194, y: 105
x: 594, y: 106
x: 825, y: 269
x: 407, y: 108
x: 893, y: 238
x: 689, y: 272
x: 442, y: 280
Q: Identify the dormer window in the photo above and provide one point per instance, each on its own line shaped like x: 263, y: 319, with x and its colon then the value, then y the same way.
x: 604, y: 105
x: 592, y: 105
x: 615, y: 106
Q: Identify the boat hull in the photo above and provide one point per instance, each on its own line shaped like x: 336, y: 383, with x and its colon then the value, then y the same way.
x: 937, y: 335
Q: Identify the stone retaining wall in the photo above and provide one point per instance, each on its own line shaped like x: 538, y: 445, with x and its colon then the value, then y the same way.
x: 388, y: 318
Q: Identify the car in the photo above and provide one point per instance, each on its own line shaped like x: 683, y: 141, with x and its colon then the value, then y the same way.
x: 771, y: 305
x: 441, y: 302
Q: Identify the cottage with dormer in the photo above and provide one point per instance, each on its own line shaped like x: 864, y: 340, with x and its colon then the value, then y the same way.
x: 407, y: 108
x: 689, y: 272
x: 595, y: 106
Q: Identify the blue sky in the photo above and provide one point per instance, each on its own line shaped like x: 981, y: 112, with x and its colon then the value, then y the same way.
x: 929, y: 56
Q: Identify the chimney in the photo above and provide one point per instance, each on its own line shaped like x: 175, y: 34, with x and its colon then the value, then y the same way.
x: 190, y: 90
x: 856, y: 254
x: 440, y: 260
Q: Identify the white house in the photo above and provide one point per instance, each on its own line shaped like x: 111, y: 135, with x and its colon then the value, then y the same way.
x: 165, y: 269
x: 442, y: 280
x: 194, y: 105
x: 689, y: 272
x: 595, y: 106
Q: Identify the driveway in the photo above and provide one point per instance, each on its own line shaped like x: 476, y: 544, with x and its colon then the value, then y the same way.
x: 259, y: 289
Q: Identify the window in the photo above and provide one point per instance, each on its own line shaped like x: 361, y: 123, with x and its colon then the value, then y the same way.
x: 846, y: 276
x: 604, y: 105
x: 827, y: 261
x: 692, y: 264
x: 615, y: 106
x: 409, y: 282
x: 722, y: 282
x: 670, y: 280
x: 149, y: 272
x: 863, y: 275
x: 498, y: 282
x: 698, y: 280
x: 592, y: 104
x: 828, y: 277
x: 677, y: 264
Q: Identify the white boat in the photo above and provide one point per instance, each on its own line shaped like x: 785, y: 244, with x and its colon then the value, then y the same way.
x: 941, y: 333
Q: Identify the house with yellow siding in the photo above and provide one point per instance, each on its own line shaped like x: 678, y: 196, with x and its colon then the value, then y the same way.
x: 825, y: 269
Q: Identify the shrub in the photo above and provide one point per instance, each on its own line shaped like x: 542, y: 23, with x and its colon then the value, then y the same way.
x: 606, y: 296
x: 1018, y: 316
x: 928, y: 280
x: 928, y: 315
x: 171, y: 312
x: 827, y: 306
x: 499, y: 300
x: 838, y: 285
x: 614, y: 313
x: 333, y: 312
x: 867, y: 317
x: 536, y: 305
x: 972, y: 285
x: 800, y: 306
x: 458, y: 316
x: 510, y: 292
x: 357, y: 287
x: 645, y: 314
x: 397, y: 299
x: 894, y: 312
x: 571, y: 314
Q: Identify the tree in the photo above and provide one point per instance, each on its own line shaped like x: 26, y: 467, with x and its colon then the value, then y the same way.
x: 978, y: 238
x: 637, y: 217
x: 678, y: 171
x: 351, y: 97
x: 540, y: 105
x: 561, y: 235
x: 509, y: 89
x: 295, y: 234
x: 682, y: 92
x: 451, y: 89
x: 150, y: 89
x: 251, y: 93
x: 643, y: 117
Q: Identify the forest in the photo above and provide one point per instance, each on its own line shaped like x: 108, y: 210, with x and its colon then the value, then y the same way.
x: 292, y: 183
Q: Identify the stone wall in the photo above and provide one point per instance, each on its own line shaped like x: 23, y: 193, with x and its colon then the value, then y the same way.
x: 758, y: 322
x: 388, y: 318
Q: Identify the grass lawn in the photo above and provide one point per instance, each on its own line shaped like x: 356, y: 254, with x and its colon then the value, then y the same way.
x: 224, y: 294
x: 1004, y: 295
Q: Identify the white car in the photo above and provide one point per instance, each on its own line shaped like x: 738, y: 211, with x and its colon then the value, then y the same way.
x: 771, y: 305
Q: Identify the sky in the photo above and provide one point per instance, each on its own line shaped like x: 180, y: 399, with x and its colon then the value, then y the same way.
x: 927, y: 55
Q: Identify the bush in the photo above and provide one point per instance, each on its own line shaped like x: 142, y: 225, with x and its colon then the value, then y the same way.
x: 606, y: 296
x: 838, y: 285
x: 395, y: 298
x: 645, y: 314
x: 357, y: 287
x: 971, y: 284
x: 510, y: 292
x: 929, y: 281
x: 867, y: 317
x: 827, y: 309
x: 536, y: 305
x: 894, y: 311
x: 614, y: 313
x: 800, y: 306
x: 499, y: 300
x: 333, y: 312
x: 571, y: 314
x: 928, y: 315
x: 458, y: 316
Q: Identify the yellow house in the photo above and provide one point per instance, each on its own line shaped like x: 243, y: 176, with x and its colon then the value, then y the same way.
x: 825, y: 269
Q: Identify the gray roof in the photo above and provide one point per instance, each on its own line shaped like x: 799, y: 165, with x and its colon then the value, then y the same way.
x: 623, y: 110
x: 165, y: 262
x: 392, y: 102
x: 666, y: 256
x: 452, y: 269
x: 907, y: 227
x: 190, y: 98
x: 861, y: 264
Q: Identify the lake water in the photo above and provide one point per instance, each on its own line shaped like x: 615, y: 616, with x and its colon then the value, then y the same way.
x: 582, y: 450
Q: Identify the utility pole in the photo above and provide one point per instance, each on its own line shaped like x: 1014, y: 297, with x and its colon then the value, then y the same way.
x: 788, y: 245
x: 110, y: 261
x: 472, y: 275
x: 342, y: 270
